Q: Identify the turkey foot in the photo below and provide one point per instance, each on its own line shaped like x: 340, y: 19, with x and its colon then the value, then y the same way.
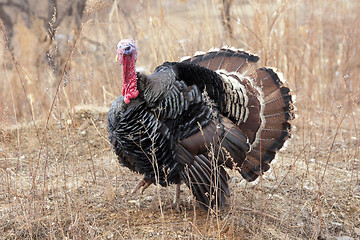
x: 144, y: 184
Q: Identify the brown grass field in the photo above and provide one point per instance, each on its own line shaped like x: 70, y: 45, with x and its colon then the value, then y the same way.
x: 59, y: 178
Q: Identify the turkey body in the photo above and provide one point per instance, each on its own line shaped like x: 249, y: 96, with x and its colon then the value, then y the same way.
x: 191, y: 119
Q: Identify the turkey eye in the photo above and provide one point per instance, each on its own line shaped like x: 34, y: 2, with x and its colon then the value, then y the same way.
x: 127, y: 49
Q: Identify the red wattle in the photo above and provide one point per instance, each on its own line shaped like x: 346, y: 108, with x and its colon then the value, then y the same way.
x: 126, y: 100
x: 129, y: 90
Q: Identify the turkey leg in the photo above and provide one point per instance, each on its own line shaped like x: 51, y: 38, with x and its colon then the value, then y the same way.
x: 176, y: 204
x: 144, y: 184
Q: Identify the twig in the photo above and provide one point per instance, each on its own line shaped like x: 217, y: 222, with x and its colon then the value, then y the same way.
x: 97, y: 130
x: 259, y: 213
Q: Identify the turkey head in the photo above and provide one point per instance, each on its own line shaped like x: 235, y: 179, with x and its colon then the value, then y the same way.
x: 126, y: 54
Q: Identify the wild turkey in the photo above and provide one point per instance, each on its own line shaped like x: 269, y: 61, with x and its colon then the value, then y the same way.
x: 189, y: 119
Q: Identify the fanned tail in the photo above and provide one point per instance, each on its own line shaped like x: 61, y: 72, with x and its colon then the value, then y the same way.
x: 255, y: 100
x: 276, y: 111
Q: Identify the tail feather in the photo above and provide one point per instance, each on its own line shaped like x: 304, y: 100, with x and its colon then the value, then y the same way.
x: 270, y: 144
x: 223, y: 177
x: 233, y: 60
x: 277, y: 117
x: 200, y: 183
x: 254, y: 168
x: 277, y: 100
x: 267, y: 80
x: 235, y: 142
x: 275, y: 133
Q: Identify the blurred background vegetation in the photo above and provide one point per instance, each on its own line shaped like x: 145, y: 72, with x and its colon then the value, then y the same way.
x: 314, y: 43
x: 58, y: 77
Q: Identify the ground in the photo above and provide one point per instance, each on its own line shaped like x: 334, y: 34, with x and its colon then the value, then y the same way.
x: 78, y: 190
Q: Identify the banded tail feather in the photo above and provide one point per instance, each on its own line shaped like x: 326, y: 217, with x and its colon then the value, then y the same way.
x: 229, y: 59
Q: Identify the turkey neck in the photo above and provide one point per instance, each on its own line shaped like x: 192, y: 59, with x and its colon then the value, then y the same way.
x: 129, y: 90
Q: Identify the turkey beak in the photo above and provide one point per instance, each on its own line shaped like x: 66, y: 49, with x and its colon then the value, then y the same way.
x: 119, y: 56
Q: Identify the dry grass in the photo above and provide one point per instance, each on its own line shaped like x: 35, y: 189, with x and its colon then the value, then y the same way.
x: 60, y: 179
